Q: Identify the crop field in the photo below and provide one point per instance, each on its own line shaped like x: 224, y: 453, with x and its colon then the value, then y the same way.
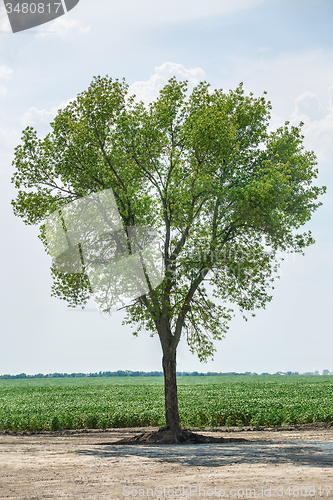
x: 103, y: 402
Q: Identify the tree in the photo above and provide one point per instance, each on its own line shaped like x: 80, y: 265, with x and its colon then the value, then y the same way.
x: 224, y: 193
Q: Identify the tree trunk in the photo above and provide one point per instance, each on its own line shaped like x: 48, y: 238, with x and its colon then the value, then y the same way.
x: 171, y: 398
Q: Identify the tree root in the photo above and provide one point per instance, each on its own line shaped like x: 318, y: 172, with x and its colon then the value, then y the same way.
x: 167, y: 436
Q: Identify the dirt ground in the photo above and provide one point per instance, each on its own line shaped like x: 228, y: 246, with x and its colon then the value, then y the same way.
x: 286, y: 464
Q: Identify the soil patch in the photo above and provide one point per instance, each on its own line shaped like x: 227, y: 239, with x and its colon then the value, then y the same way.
x: 89, y: 465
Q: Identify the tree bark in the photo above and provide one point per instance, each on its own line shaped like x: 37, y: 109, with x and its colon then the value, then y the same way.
x: 171, y: 398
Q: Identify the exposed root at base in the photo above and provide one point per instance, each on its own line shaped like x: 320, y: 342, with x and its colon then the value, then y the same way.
x: 166, y: 436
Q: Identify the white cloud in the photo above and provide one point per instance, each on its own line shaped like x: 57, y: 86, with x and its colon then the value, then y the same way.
x: 318, y: 122
x: 35, y: 115
x: 308, y: 107
x: 5, y: 72
x: 64, y: 27
x: 148, y: 90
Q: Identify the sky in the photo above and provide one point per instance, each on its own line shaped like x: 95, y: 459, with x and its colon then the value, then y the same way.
x: 282, y: 47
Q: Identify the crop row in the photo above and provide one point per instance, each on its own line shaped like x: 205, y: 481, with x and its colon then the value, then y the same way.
x: 33, y: 408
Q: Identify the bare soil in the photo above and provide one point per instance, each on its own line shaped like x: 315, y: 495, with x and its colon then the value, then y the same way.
x: 277, y: 463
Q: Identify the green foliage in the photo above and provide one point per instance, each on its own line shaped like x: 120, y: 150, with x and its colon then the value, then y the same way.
x: 223, y: 192
x: 55, y: 404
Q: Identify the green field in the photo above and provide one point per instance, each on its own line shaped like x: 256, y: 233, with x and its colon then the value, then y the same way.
x: 102, y: 402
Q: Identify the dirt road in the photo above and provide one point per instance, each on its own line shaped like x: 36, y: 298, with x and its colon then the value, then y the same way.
x: 87, y: 465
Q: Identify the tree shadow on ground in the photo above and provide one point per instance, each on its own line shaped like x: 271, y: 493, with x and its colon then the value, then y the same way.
x: 318, y: 454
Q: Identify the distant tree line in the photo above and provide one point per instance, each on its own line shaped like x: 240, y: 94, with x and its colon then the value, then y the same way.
x: 119, y: 373
x: 129, y: 373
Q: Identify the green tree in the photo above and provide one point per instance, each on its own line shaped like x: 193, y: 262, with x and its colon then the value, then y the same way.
x: 224, y: 193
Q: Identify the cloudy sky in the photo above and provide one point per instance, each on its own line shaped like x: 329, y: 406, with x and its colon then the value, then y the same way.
x: 282, y: 46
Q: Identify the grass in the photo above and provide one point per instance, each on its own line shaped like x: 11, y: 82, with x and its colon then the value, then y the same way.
x: 73, y: 403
